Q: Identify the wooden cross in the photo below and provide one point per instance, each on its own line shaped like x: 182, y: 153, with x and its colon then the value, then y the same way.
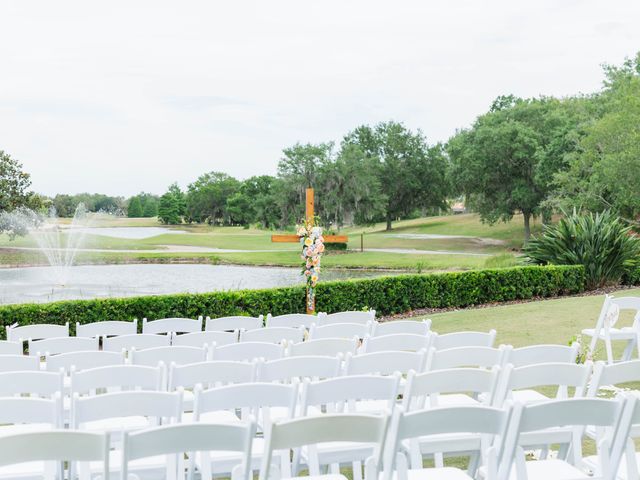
x: 309, y: 217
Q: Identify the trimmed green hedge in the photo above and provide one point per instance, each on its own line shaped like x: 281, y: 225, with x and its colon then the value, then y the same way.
x: 632, y: 276
x: 385, y: 294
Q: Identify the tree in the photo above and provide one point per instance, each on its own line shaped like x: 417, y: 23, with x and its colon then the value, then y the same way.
x: 171, y: 208
x: 507, y: 159
x: 14, y: 195
x: 150, y: 208
x: 411, y: 174
x: 135, y: 208
x: 207, y: 197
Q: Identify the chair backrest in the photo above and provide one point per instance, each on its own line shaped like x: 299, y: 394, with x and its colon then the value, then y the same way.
x: 200, y: 339
x: 168, y: 355
x: 10, y: 348
x: 464, y: 339
x: 292, y: 434
x: 561, y: 375
x: 248, y: 351
x: 158, y: 406
x: 36, y: 332
x: 139, y: 341
x: 58, y: 445
x: 254, y: 399
x: 229, y: 324
x: 534, y: 354
x: 109, y: 328
x: 339, y: 330
x: 176, y: 440
x: 292, y: 320
x: 54, y: 346
x: 350, y: 316
x: 436, y: 422
x: 172, y: 325
x: 31, y: 410
x: 396, y: 342
x: 613, y: 375
x: 343, y: 393
x: 12, y: 363
x: 326, y: 347
x: 574, y: 412
x: 415, y: 327
x: 286, y: 369
x: 210, y: 374
x: 273, y: 334
x: 423, y: 389
x: 115, y: 378
x: 482, y: 357
x: 83, y: 360
x: 385, y: 363
x: 31, y: 383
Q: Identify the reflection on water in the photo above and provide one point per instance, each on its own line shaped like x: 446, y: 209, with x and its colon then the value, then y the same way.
x: 134, y: 233
x: 33, y: 284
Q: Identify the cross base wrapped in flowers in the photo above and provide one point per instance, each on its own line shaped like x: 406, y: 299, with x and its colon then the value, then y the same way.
x: 312, y: 248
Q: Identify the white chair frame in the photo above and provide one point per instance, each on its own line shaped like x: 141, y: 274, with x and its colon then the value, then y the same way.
x: 234, y: 323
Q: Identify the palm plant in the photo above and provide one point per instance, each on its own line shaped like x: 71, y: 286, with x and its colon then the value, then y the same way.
x: 601, y: 242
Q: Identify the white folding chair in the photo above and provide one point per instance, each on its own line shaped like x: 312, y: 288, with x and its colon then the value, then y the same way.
x: 315, y: 432
x: 201, y: 339
x: 414, y: 327
x: 30, y: 455
x: 370, y: 394
x: 167, y: 355
x: 248, y: 351
x: 350, y: 316
x: 31, y: 383
x: 115, y: 378
x: 325, y: 347
x: 284, y: 370
x: 265, y: 402
x: 163, y: 450
x: 172, y: 325
x: 339, y: 330
x: 520, y: 384
x: 606, y: 330
x: 108, y: 328
x: 273, y: 335
x: 534, y: 354
x: 455, y: 387
x: 16, y: 333
x: 10, y: 348
x: 292, y: 320
x: 434, y: 427
x: 139, y: 341
x: 480, y: 357
x: 27, y: 414
x: 82, y: 360
x: 55, y: 346
x: 125, y: 411
x: 12, y: 363
x: 229, y: 324
x: 463, y: 339
x: 385, y: 363
x: 405, y: 342
x: 578, y: 413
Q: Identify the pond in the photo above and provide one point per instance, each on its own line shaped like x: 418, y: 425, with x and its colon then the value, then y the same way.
x: 34, y: 284
x: 132, y: 233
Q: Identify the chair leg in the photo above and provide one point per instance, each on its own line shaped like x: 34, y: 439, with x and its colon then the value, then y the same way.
x: 607, y: 344
x: 628, y: 351
x: 357, y: 470
x: 438, y: 460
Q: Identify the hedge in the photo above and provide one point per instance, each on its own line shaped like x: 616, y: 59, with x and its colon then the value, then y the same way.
x: 386, y: 295
x: 632, y: 276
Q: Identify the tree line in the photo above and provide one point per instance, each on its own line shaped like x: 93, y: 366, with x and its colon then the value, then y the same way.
x: 535, y: 156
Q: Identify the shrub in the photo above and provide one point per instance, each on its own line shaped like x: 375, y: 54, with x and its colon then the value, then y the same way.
x: 335, y: 247
x: 600, y: 242
x: 385, y: 294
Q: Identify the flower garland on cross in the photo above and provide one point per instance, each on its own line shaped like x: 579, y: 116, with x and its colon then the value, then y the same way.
x: 312, y: 243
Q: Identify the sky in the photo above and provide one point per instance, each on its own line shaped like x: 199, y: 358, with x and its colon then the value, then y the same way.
x: 125, y: 96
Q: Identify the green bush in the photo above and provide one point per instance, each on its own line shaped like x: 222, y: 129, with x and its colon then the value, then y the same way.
x: 335, y: 247
x: 385, y: 294
x: 600, y: 242
x: 632, y: 276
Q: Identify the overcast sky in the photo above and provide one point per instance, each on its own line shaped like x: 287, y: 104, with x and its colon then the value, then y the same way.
x: 123, y: 96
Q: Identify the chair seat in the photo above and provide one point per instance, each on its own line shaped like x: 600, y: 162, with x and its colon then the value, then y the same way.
x: 446, y: 442
x: 624, y: 333
x: 331, y: 476
x: 23, y: 428
x: 456, y: 399
x: 149, y: 464
x: 372, y: 406
x: 24, y: 471
x: 118, y: 424
x: 340, y: 452
x: 593, y: 462
x: 443, y: 473
x: 225, y: 462
x: 220, y: 416
x: 551, y: 470
x: 528, y: 397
